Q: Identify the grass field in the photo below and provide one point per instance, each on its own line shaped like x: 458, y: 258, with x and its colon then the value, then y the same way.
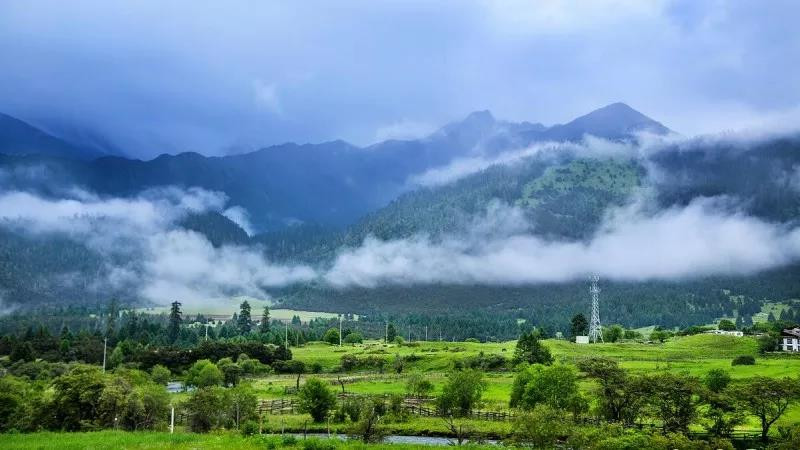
x: 695, y: 355
x: 112, y: 440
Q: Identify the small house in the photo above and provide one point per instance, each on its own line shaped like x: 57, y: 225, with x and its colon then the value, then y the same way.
x: 790, y: 340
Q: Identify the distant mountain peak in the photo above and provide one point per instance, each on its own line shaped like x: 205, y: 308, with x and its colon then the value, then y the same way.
x: 614, y: 121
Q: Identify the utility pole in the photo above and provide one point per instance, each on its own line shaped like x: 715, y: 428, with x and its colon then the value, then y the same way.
x: 386, y: 334
x: 105, y: 345
x: 172, y: 419
x: 206, y: 331
x: 426, y: 333
x: 286, y: 338
x: 340, y: 330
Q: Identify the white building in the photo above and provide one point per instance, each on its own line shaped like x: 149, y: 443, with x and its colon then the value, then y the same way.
x: 790, y: 340
x: 726, y: 333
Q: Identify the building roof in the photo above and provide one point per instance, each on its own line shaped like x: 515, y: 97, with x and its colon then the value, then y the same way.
x: 791, y: 332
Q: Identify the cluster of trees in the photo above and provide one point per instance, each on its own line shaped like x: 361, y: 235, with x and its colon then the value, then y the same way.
x: 673, y: 401
x: 83, y: 398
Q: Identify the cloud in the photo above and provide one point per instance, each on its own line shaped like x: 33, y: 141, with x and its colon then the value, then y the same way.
x: 403, y: 130
x: 703, y: 238
x: 590, y: 147
x: 241, y: 217
x: 267, y: 97
x: 180, y: 76
x: 145, y: 250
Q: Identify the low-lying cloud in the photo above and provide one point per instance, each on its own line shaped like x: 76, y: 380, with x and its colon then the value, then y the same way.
x: 146, y: 252
x: 703, y: 238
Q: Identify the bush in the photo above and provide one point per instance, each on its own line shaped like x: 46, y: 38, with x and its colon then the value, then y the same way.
x: 249, y: 428
x: 473, y: 340
x: 744, y: 360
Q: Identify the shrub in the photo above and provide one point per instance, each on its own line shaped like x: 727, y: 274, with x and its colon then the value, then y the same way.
x: 473, y: 340
x: 418, y: 385
x: 743, y: 360
x: 249, y: 428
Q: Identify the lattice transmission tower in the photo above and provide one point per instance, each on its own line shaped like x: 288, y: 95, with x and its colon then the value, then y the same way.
x: 595, y: 330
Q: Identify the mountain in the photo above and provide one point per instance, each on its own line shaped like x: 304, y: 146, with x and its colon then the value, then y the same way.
x: 20, y: 138
x: 616, y: 121
x: 331, y: 184
x: 311, y: 201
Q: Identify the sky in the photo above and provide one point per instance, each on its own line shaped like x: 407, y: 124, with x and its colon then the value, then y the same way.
x: 224, y: 77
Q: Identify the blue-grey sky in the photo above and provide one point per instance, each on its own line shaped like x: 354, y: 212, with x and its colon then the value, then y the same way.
x: 216, y: 77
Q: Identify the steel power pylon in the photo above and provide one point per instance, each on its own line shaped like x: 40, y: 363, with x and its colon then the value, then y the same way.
x: 595, y: 330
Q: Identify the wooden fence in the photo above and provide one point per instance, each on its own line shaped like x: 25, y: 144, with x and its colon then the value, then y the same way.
x: 413, y: 405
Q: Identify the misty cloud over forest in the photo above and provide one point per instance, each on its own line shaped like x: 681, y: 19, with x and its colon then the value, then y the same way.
x: 148, y: 252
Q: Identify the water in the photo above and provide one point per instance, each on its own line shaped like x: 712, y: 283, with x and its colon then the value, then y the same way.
x: 398, y: 439
x: 173, y: 387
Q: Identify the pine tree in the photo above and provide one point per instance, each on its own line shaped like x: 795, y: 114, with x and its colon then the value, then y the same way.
x: 174, y: 328
x: 391, y: 333
x: 265, y: 321
x: 244, y: 322
x: 531, y: 350
x: 579, y: 326
x: 111, y: 322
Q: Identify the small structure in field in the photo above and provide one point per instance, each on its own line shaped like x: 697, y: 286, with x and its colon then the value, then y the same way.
x: 581, y: 339
x: 735, y: 333
x: 790, y: 340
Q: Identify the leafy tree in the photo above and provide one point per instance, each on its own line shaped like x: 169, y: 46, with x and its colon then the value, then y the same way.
x: 613, y: 333
x: 418, y: 385
x: 555, y: 386
x: 264, y: 327
x: 160, y: 374
x: 461, y: 393
x: 621, y: 396
x: 22, y: 351
x: 767, y: 399
x: 541, y: 428
x: 530, y: 350
x: 726, y: 325
x: 673, y: 398
x: 175, y: 320
x: 145, y: 407
x: 354, y: 338
x: 716, y: 380
x: 206, y: 409
x: 316, y: 398
x: 391, y: 333
x: 242, y: 404
x: 367, y: 421
x: 231, y: 372
x: 244, y: 321
x: 76, y: 397
x: 204, y: 373
x: 579, y: 326
x: 331, y: 336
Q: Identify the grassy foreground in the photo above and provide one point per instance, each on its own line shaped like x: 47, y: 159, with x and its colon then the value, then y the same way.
x: 111, y: 440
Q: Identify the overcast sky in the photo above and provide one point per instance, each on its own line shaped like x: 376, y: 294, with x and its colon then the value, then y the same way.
x: 218, y: 77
